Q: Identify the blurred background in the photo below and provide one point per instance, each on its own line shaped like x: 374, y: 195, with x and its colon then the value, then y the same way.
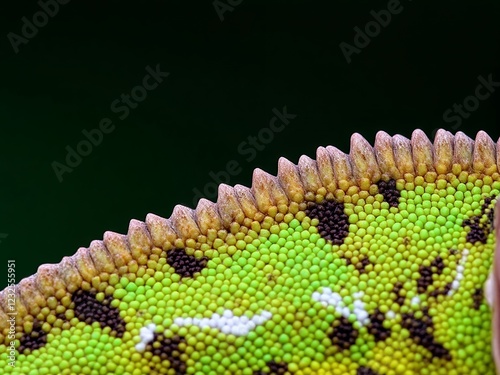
x: 187, y: 93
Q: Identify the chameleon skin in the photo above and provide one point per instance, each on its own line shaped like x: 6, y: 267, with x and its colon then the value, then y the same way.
x: 368, y: 263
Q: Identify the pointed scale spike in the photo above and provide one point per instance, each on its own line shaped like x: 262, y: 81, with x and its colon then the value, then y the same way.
x: 423, y: 153
x: 403, y: 155
x: 30, y: 294
x: 364, y: 162
x: 84, y: 264
x: 267, y: 191
x: 207, y: 216
x: 117, y: 246
x: 230, y: 208
x: 462, y: 155
x: 161, y: 231
x: 384, y: 152
x: 309, y: 177
x: 101, y: 257
x: 341, y: 167
x: 289, y: 178
x: 183, y: 222
x: 49, y: 282
x: 325, y: 169
x: 247, y: 202
x: 484, y: 155
x: 139, y: 240
x: 443, y: 151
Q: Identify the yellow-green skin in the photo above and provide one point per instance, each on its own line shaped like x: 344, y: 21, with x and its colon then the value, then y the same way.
x: 277, y: 269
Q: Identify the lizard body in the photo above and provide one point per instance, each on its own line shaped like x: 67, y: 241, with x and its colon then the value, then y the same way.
x: 367, y: 263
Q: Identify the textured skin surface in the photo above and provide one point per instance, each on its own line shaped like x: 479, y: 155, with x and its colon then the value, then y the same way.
x: 368, y: 263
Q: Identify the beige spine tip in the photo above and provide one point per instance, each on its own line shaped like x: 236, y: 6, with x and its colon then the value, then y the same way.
x: 230, y: 208
x: 462, y: 154
x: 309, y: 175
x: 423, y: 153
x: 484, y: 155
x: 184, y: 223
x: 161, y: 231
x: 443, y: 152
x: 267, y: 191
x: 247, y: 202
x: 140, y: 241
x: 289, y: 178
x: 364, y: 162
x: 207, y: 216
x: 385, y: 154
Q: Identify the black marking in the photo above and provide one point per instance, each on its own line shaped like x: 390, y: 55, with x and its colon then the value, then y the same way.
x: 184, y: 264
x: 376, y: 326
x: 421, y: 332
x: 333, y: 222
x: 360, y: 265
x: 365, y: 371
x: 344, y: 334
x: 389, y: 191
x: 426, y: 272
x: 34, y: 340
x: 479, y: 231
x: 61, y: 316
x: 441, y: 292
x: 275, y: 368
x: 398, y: 287
x: 89, y: 310
x: 477, y: 297
x: 168, y: 349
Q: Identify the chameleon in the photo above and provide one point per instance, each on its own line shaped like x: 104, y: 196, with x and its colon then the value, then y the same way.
x: 379, y: 261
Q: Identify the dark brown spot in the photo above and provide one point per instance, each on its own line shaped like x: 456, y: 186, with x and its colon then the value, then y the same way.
x: 61, y: 316
x: 184, y: 264
x: 34, y: 340
x: 365, y: 371
x: 361, y: 266
x: 333, y: 222
x: 275, y: 368
x: 344, y: 334
x: 376, y: 326
x: 479, y: 231
x: 477, y: 297
x: 389, y: 191
x: 89, y: 310
x: 426, y: 272
x: 167, y: 349
x: 441, y: 292
x: 400, y: 299
x: 421, y: 332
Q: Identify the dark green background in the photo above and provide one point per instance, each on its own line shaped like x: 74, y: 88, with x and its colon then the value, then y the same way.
x: 225, y: 79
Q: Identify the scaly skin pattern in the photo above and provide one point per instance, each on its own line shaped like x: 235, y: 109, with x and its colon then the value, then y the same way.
x: 372, y: 262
